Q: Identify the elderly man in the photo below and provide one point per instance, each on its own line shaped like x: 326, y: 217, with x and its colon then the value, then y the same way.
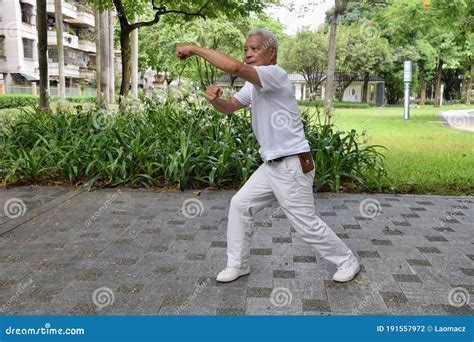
x: 287, y: 172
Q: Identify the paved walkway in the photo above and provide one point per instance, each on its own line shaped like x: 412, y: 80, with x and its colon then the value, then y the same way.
x: 459, y: 119
x: 143, y: 252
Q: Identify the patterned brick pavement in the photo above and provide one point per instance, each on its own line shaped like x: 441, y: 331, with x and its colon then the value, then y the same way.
x: 112, y: 252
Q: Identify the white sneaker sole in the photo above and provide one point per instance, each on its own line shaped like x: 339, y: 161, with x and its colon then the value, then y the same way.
x: 345, y: 280
x: 228, y: 280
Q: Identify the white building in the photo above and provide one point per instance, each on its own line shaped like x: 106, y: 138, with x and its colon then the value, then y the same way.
x: 19, y: 51
x: 353, y: 93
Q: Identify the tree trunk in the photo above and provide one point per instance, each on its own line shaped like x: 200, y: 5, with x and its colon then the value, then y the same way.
x: 339, y: 8
x: 467, y: 101
x: 437, y: 90
x: 134, y: 60
x: 422, y: 82
x: 98, y: 29
x: 329, y: 89
x: 111, y: 58
x: 126, y: 61
x: 104, y: 60
x: 60, y: 49
x: 42, y: 18
x: 365, y: 89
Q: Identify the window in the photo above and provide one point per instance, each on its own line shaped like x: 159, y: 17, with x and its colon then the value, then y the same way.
x: 27, y: 14
x: 2, y: 46
x: 28, y: 48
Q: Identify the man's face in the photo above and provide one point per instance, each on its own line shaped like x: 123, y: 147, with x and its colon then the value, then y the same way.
x: 257, y: 51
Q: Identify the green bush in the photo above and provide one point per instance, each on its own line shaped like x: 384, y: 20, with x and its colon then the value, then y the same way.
x: 431, y: 102
x: 341, y: 157
x: 78, y: 99
x: 17, y: 100
x: 335, y: 104
x: 172, y: 140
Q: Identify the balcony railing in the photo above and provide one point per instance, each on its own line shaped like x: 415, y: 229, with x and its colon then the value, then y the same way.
x: 69, y: 40
x: 68, y: 9
x: 87, y: 45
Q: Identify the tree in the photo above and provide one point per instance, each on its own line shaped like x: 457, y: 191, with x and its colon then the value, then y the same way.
x: 60, y: 49
x: 104, y: 51
x: 359, y: 56
x: 42, y: 18
x: 175, y: 10
x: 306, y: 54
x: 340, y: 6
x: 434, y: 29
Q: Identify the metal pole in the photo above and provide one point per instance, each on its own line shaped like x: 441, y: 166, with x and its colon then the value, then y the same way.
x: 406, y: 111
x: 441, y: 95
x: 407, y: 80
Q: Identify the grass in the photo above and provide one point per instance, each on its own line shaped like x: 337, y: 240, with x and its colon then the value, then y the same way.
x: 423, y: 156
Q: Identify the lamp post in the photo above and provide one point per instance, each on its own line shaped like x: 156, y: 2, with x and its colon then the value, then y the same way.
x: 407, y: 81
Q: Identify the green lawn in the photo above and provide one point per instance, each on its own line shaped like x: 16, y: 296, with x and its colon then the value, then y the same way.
x: 422, y: 151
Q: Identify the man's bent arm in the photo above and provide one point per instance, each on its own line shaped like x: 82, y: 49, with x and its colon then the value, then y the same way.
x: 227, y: 106
x: 228, y: 64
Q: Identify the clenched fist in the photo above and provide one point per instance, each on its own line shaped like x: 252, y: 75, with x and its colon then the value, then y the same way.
x: 212, y: 93
x: 184, y: 51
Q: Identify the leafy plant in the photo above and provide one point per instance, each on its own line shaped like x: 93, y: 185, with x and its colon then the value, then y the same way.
x: 171, y: 138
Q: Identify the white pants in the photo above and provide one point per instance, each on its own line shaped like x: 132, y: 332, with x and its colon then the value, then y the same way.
x: 294, y: 192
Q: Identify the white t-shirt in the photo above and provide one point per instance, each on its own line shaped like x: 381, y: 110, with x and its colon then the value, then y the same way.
x: 276, y: 120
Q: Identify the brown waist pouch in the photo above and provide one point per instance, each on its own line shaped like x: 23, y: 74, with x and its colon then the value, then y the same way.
x: 306, y: 160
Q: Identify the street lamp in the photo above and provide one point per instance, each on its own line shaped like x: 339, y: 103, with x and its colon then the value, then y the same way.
x: 407, y: 81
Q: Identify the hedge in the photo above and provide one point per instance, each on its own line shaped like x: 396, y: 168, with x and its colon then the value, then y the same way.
x: 20, y: 100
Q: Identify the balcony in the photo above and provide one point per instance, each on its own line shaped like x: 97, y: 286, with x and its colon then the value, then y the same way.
x: 83, y: 19
x: 69, y: 10
x: 86, y: 45
x: 29, y: 2
x: 69, y: 70
x: 87, y: 73
x: 69, y: 40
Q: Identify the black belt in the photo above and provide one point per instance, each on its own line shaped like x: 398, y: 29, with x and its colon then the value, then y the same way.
x: 279, y: 159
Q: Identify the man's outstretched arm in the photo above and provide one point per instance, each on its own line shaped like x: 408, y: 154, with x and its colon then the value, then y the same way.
x: 220, y: 61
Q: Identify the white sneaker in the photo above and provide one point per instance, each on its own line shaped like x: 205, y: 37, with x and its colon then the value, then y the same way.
x: 232, y: 273
x: 347, y: 271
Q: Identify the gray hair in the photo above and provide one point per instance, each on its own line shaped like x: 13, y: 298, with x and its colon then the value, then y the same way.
x: 270, y: 39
